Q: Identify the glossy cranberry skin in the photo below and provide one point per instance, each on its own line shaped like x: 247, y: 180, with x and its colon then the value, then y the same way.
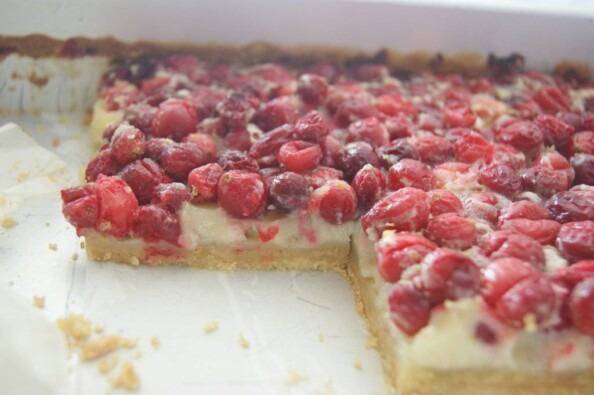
x: 234, y: 110
x: 500, y: 178
x: 104, y: 163
x: 443, y: 201
x: 289, y: 191
x: 472, y: 147
x: 397, y: 150
x: 242, y: 194
x: 143, y: 176
x: 572, y: 205
x: 524, y: 209
x: 171, y: 196
x: 312, y: 127
x: 581, y: 301
x: 457, y: 116
x: 275, y: 113
x: 583, y: 164
x: 452, y: 231
x: 397, y: 253
x: 312, y: 88
x: 522, y: 135
x: 369, y: 184
x: 509, y: 244
x: 270, y: 142
x: 410, y: 309
x: 175, y: 118
x: 237, y: 160
x: 576, y: 240
x: 502, y: 274
x: 127, y: 144
x: 369, y: 130
x: 354, y: 108
x: 153, y: 223
x: 117, y: 206
x: 410, y: 173
x: 179, y: 159
x: 299, y: 156
x: 335, y: 201
x: 354, y: 156
x: 203, y: 182
x: 533, y: 296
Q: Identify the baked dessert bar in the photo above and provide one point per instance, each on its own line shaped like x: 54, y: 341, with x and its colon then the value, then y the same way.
x: 461, y: 207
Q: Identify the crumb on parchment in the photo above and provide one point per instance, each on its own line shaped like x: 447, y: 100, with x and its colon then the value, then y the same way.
x: 104, y: 345
x: 52, y: 246
x: 127, y: 378
x: 56, y: 142
x: 243, y: 342
x: 39, y: 302
x: 75, y: 327
x: 358, y: 365
x: 294, y: 377
x: 155, y: 342
x: 106, y: 364
x: 8, y: 222
x: 372, y: 342
x: 211, y: 327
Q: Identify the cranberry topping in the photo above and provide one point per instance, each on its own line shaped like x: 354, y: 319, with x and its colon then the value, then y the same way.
x: 312, y: 88
x: 530, y: 298
x: 205, y: 142
x: 299, y: 156
x: 411, y: 173
x: 171, y: 196
x: 154, y: 223
x: 583, y: 164
x: 270, y: 142
x: 175, y: 118
x: 522, y: 135
x: 179, y: 159
x: 500, y: 178
x: 576, y: 240
x: 410, y: 309
x: 555, y: 131
x: 234, y: 110
x: 203, y: 182
x: 581, y: 301
x: 369, y: 130
x: 369, y: 184
x: 275, y: 113
x: 143, y: 176
x: 443, y: 201
x: 335, y: 201
x: 452, y: 231
x: 552, y: 100
x: 354, y: 156
x: 502, y: 274
x: 433, y: 149
x: 237, y: 160
x: 289, y: 191
x: 524, y: 209
x: 482, y: 206
x: 127, y: 144
x: 573, y: 274
x: 472, y: 147
x: 155, y: 147
x: 117, y: 206
x: 544, y: 230
x: 458, y: 116
x: 321, y: 174
x: 398, y: 253
x: 399, y: 126
x: 583, y: 142
x: 81, y: 206
x: 312, y: 127
x: 242, y: 194
x: 509, y: 244
x: 104, y: 163
x: 573, y: 205
x: 399, y: 149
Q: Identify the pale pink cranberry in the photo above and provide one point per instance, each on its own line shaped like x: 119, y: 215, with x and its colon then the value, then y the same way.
x: 354, y: 156
x: 175, y: 118
x: 472, y: 147
x: 299, y: 156
x: 369, y: 130
x: 153, y: 223
x: 583, y: 165
x: 395, y: 104
x: 205, y: 142
x: 171, y: 196
x: 143, y: 176
x: 242, y: 194
x: 275, y: 113
x: 449, y: 275
x: 289, y: 191
x: 522, y: 135
x: 576, y: 240
x: 552, y: 100
x: 573, y: 205
x: 452, y: 231
x: 321, y: 174
x: 581, y: 301
x: 203, y: 182
x: 399, y: 126
x: 442, y: 201
x: 104, y: 163
x: 411, y: 173
x: 500, y: 178
x: 398, y: 253
x: 369, y: 184
x: 81, y: 206
x: 179, y: 159
x: 482, y: 205
x: 127, y: 144
x: 335, y: 201
x: 555, y: 131
x: 509, y: 244
x: 312, y: 88
x: 458, y: 116
x: 410, y: 309
x: 433, y: 149
x: 502, y: 274
x: 234, y: 111
x: 407, y: 209
x: 398, y: 149
x: 583, y: 142
x: 117, y: 206
x: 312, y: 127
x: 270, y: 142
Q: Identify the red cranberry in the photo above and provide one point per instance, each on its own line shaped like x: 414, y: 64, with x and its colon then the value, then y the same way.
x: 237, y: 160
x: 117, y: 206
x: 143, y: 176
x: 508, y: 244
x: 399, y: 126
x: 141, y: 116
x: 179, y: 159
x: 502, y: 274
x: 433, y: 149
x: 429, y: 121
x: 335, y: 201
x: 392, y: 105
x: 242, y: 194
x: 354, y: 108
x: 481, y: 206
x: 329, y: 71
x: 583, y: 164
x: 212, y: 127
x: 171, y: 196
x: 270, y: 142
x: 524, y: 209
x: 409, y: 308
x: 573, y: 205
x: 289, y: 191
x: 396, y: 254
x: 311, y: 127
x: 127, y: 144
x: 397, y: 150
x: 508, y: 155
x: 203, y: 182
x: 370, y: 72
x: 175, y: 118
x: 407, y: 209
x: 583, y: 142
x: 275, y: 113
x: 205, y: 99
x: 531, y: 297
x: 369, y: 184
x: 442, y: 201
x: 544, y: 230
x: 154, y: 224
x: 576, y: 240
x: 369, y: 130
x: 331, y: 148
x: 411, y: 173
x: 522, y: 135
x: 238, y: 139
x: 205, y: 142
x: 120, y: 95
x: 555, y: 131
x: 104, y: 163
x: 472, y: 147
x: 71, y: 194
x: 581, y: 301
x: 458, y: 116
x: 299, y: 156
x: 545, y: 181
x: 354, y: 156
x: 321, y: 174
x: 573, y: 274
x: 312, y: 88
x: 448, y: 274
x: 552, y: 100
x: 155, y: 147
x: 500, y: 178
x: 81, y: 206
x: 234, y: 110
x: 452, y: 231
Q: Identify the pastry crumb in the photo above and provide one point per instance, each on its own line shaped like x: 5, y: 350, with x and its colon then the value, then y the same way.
x: 104, y: 345
x: 321, y: 338
x: 530, y: 324
x: 295, y: 377
x: 98, y: 328
x: 211, y: 327
x: 134, y: 261
x: 47, y: 224
x: 127, y: 378
x: 138, y: 354
x: 8, y: 222
x: 22, y: 176
x: 56, y: 142
x: 75, y: 327
x: 39, y: 302
x: 107, y: 364
x: 82, y: 245
x: 372, y: 342
x: 2, y: 200
x: 358, y: 365
x: 155, y: 342
x: 243, y: 342
x: 74, y: 257
x: 52, y: 246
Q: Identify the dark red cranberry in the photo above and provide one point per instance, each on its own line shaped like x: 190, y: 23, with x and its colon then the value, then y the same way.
x: 155, y: 147
x: 369, y: 184
x: 398, y: 253
x: 141, y: 116
x: 410, y: 309
x: 81, y: 211
x: 104, y: 163
x: 299, y: 156
x: 485, y: 333
x: 270, y: 142
x: 242, y: 194
x: 143, y: 176
x: 335, y: 202
x: 583, y: 142
x: 179, y: 159
x: 573, y: 205
x: 127, y: 144
x: 117, y: 206
x: 576, y: 240
x: 154, y: 224
x: 354, y: 108
x: 397, y: 150
x: 203, y: 182
x: 354, y: 156
x: 175, y: 118
x: 583, y: 164
x: 399, y: 126
x: 312, y: 127
x: 238, y: 139
x: 237, y: 160
x: 545, y: 181
x: 171, y: 196
x: 234, y: 110
x: 312, y: 88
x: 289, y: 191
x: 275, y: 113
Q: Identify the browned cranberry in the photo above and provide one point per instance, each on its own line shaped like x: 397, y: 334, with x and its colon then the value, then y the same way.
x: 270, y: 142
x: 403, y: 250
x: 449, y: 274
x: 312, y: 88
x: 205, y: 142
x: 407, y: 209
x: 399, y: 126
x: 583, y: 164
x: 289, y: 191
x: 443, y: 201
x: 410, y: 309
x: 141, y: 116
x: 153, y: 224
x: 81, y: 206
x: 581, y: 301
x: 542, y: 230
x: 234, y: 110
x: 545, y: 181
x: 411, y: 173
x: 312, y: 127
x: 555, y: 131
x: 472, y: 147
x: 117, y: 206
x: 576, y: 240
x: 502, y: 274
x: 458, y: 116
x: 369, y: 184
x: 335, y: 202
x: 171, y: 196
x: 583, y: 142
x: 500, y: 178
x: 179, y: 159
x: 143, y: 176
x: 573, y: 205
x: 299, y: 156
x: 242, y: 194
x: 395, y: 104
x: 522, y: 135
x: 155, y: 147
x: 452, y: 231
x: 369, y: 130
x: 104, y: 163
x: 354, y: 156
x: 127, y: 144
x: 321, y: 174
x: 237, y: 160
x: 203, y: 182
x: 552, y: 100
x: 275, y: 113
x: 175, y: 118
x: 399, y: 149
x: 509, y: 244
x: 433, y: 149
